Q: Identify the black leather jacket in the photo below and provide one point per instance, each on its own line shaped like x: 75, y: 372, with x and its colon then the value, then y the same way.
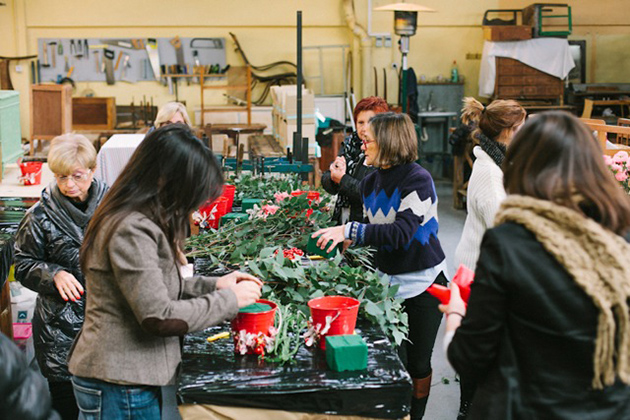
x: 23, y: 391
x: 350, y: 182
x: 48, y: 241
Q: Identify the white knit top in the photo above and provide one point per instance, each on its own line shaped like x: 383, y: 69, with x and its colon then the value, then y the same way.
x: 485, y: 194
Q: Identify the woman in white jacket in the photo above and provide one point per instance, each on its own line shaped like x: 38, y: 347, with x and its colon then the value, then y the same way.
x: 495, y: 124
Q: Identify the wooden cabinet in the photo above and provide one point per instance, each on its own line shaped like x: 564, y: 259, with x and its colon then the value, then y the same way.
x: 93, y: 113
x: 51, y: 112
x: 10, y: 131
x: 516, y: 80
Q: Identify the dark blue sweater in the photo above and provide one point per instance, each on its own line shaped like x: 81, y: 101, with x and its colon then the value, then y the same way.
x: 401, y: 206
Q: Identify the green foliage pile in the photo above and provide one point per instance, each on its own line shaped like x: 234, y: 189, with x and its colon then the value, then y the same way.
x: 256, y: 246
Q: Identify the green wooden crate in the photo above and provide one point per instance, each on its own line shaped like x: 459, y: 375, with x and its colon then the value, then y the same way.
x: 236, y: 217
x: 248, y: 203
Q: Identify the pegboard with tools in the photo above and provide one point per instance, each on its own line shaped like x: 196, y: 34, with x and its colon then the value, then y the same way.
x: 129, y: 60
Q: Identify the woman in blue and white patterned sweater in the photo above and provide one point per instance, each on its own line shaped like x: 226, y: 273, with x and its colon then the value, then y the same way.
x: 400, y: 203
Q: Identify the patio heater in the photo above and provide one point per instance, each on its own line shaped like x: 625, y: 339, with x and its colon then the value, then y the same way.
x: 405, y: 24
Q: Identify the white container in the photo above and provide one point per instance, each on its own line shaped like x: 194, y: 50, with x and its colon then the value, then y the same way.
x: 22, y: 302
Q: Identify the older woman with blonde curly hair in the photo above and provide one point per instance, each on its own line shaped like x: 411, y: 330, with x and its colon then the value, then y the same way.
x: 47, y: 260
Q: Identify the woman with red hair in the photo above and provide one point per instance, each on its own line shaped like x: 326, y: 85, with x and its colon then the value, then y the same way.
x: 348, y: 169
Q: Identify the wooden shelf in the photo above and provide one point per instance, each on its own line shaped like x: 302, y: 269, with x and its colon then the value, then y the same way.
x: 224, y: 87
x: 194, y: 75
x: 226, y: 108
x: 247, y: 87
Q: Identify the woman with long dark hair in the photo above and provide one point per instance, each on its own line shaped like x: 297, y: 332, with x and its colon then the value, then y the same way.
x: 138, y: 306
x: 546, y: 333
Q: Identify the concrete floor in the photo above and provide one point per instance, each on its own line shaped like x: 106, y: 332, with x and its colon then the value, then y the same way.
x: 444, y: 397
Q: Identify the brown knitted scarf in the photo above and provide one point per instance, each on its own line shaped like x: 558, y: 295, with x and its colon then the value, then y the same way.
x: 597, y: 260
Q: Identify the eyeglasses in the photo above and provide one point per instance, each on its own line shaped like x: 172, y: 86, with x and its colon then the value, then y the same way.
x: 76, y: 177
x: 366, y: 142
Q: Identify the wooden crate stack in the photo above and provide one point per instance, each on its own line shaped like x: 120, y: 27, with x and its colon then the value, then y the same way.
x: 284, y: 115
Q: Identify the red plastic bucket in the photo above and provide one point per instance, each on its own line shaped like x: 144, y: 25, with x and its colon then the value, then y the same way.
x: 31, y: 172
x: 342, y: 309
x: 213, y: 211
x: 254, y: 323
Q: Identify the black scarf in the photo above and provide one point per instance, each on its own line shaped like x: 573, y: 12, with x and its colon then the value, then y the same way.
x: 494, y: 149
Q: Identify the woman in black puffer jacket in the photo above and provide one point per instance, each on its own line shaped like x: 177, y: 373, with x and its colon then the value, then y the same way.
x: 47, y: 260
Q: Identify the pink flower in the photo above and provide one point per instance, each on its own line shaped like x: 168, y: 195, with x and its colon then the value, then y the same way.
x: 269, y: 209
x: 616, y: 168
x: 621, y: 176
x: 608, y: 160
x: 280, y: 196
x: 620, y: 157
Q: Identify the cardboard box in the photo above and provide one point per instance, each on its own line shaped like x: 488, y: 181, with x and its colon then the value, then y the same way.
x: 284, y: 100
x: 507, y: 33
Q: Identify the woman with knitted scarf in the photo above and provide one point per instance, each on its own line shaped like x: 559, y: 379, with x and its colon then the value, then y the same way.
x: 546, y: 333
x: 493, y: 129
x: 495, y: 125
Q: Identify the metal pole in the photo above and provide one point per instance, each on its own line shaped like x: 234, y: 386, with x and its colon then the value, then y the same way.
x: 404, y: 49
x: 299, y: 78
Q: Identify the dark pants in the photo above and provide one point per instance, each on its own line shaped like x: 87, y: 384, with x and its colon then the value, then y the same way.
x: 424, y: 322
x: 63, y: 400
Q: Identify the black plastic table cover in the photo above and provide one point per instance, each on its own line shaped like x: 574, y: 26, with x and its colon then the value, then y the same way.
x: 212, y: 374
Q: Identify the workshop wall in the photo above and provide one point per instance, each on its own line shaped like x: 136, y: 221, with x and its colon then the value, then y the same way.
x: 266, y: 31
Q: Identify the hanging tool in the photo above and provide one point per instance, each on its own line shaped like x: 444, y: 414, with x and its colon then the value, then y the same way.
x: 120, y: 54
x: 154, y: 58
x: 375, y: 82
x: 86, y: 48
x: 60, y: 48
x: 67, y: 66
x: 118, y: 43
x: 98, y: 61
x: 123, y: 71
x: 79, y: 49
x: 179, y: 54
x: 33, y: 73
x: 197, y: 67
x: 52, y: 53
x: 73, y: 48
x: 138, y: 44
x: 45, y: 63
x: 207, y: 43
x: 108, y: 58
x: 385, y: 84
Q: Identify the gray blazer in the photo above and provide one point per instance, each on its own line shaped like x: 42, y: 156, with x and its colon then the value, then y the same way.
x: 138, y: 305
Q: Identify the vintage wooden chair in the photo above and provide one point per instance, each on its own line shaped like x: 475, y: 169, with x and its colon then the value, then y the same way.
x: 623, y: 138
x: 603, y: 131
